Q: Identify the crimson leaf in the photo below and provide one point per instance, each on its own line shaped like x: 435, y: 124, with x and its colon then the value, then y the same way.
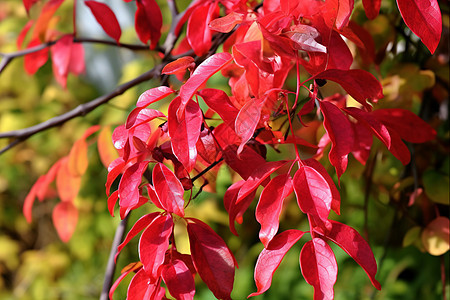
x: 106, y: 18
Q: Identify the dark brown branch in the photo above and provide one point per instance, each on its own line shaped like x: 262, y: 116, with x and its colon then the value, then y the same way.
x: 81, y: 110
x: 111, y: 266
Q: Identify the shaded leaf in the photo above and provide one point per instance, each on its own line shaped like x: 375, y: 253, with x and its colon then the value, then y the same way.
x: 148, y: 22
x: 105, y: 146
x: 67, y: 185
x: 247, y: 120
x: 179, y: 65
x: 436, y: 236
x: 179, y: 280
x: 212, y: 259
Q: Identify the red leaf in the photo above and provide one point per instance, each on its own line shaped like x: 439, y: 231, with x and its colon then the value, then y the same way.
x: 247, y: 161
x: 141, y: 288
x: 33, y: 61
x: 67, y: 57
x: 129, y: 184
x: 270, y: 204
x: 409, y: 126
x: 389, y: 137
x: 304, y: 37
x: 65, y: 218
x: 212, y: 259
x: 29, y: 199
x: 140, y: 224
x: 227, y: 23
x: 47, y: 12
x: 139, y: 116
x: 198, y: 33
x: 112, y: 200
x: 219, y: 101
x: 179, y: 65
x: 148, y: 22
x: 169, y: 189
x: 122, y: 276
x: 257, y: 177
x: 247, y: 120
x: 313, y: 192
x: 185, y: 131
x: 360, y: 84
x: 363, y: 142
x: 372, y: 8
x: 270, y: 258
x: 351, y: 242
x: 153, y: 244
x: 202, y: 73
x: 319, y: 268
x: 152, y: 95
x: 23, y: 33
x: 340, y: 132
x: 28, y: 4
x: 179, y: 280
x: 115, y: 169
x: 106, y: 18
x: 67, y: 184
x: 336, y: 202
x: 424, y: 18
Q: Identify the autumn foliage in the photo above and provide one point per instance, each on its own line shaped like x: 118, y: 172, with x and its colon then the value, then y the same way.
x: 160, y: 159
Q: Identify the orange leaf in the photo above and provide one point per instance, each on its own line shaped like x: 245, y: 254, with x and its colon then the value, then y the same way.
x: 105, y: 146
x: 65, y: 218
x: 67, y: 184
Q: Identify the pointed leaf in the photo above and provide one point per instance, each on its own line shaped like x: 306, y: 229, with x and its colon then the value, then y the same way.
x: 313, y: 192
x: 372, y: 8
x: 29, y: 199
x: 153, y: 95
x: 198, y: 33
x: 67, y: 184
x: 270, y: 258
x: 106, y: 18
x: 219, y: 101
x: 424, y: 18
x: 65, y: 218
x: 179, y: 65
x: 360, y: 84
x: 340, y: 132
x: 169, y: 189
x: 270, y: 204
x: 336, y: 202
x: 121, y: 277
x: 409, y: 126
x: 140, y: 224
x: 153, y: 244
x: 352, y: 242
x: 129, y: 184
x: 319, y: 268
x: 227, y: 23
x: 148, y: 22
x: 258, y: 176
x: 142, y: 288
x: 247, y: 120
x: 33, y: 61
x: 185, y: 131
x: 202, y: 73
x: 212, y: 259
x: 179, y: 280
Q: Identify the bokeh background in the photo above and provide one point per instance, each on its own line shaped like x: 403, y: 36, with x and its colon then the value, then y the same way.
x: 36, y: 264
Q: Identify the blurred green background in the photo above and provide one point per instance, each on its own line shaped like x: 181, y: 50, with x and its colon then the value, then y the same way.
x: 35, y: 264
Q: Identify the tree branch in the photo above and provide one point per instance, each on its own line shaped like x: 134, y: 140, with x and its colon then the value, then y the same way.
x: 111, y: 266
x: 81, y: 110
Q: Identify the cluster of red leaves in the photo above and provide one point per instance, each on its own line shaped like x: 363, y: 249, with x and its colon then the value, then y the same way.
x: 265, y: 44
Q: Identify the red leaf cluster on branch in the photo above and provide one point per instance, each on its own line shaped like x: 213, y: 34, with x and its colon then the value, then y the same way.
x: 265, y: 43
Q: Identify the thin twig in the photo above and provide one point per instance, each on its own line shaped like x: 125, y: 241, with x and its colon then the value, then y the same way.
x: 111, y: 266
x: 207, y: 169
